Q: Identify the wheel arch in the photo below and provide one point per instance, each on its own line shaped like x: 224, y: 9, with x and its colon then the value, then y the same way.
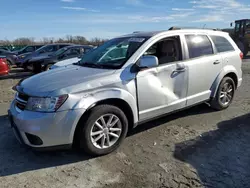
x: 126, y: 103
x: 228, y: 71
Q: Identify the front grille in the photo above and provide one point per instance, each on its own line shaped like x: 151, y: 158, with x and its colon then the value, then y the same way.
x: 21, y: 101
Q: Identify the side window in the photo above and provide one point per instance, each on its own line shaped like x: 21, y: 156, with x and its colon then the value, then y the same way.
x: 75, y: 51
x: 51, y: 48
x: 237, y: 27
x: 222, y: 44
x: 198, y: 45
x: 167, y: 50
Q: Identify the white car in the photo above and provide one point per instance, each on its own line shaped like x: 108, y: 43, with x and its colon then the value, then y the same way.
x: 65, y: 62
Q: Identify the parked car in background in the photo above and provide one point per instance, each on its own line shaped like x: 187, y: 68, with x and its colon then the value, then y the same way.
x: 10, y: 57
x: 70, y: 61
x: 23, y: 59
x: 94, y: 103
x: 4, y: 48
x: 4, y: 68
x: 65, y: 63
x: 27, y: 49
x: 43, y: 63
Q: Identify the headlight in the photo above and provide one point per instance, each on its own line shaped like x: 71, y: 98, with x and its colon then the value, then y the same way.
x: 49, y: 104
x: 21, y: 56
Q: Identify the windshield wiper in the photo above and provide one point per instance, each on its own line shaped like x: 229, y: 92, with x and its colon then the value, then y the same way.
x: 89, y: 64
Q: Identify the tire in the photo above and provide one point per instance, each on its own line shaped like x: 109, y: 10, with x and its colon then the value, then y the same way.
x: 48, y: 67
x: 36, y: 68
x: 89, y: 126
x: 220, y: 102
x: 9, y: 63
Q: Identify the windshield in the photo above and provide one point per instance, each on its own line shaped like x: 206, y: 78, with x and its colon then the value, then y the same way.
x: 47, y: 48
x: 59, y: 52
x: 22, y: 49
x: 113, y: 53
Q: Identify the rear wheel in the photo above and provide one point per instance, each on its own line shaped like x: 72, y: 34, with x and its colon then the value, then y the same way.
x: 224, y: 95
x: 104, y: 130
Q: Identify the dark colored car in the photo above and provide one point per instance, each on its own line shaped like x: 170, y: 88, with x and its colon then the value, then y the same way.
x: 4, y: 68
x: 23, y: 59
x: 27, y: 49
x: 42, y: 63
x: 4, y: 48
x: 10, y: 56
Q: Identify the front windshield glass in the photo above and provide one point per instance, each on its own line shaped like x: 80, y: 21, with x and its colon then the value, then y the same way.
x: 113, y: 53
x: 60, y: 51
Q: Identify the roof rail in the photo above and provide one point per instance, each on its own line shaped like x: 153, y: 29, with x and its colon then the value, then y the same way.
x: 179, y: 28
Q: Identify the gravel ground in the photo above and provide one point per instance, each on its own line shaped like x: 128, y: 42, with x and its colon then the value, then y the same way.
x: 197, y: 147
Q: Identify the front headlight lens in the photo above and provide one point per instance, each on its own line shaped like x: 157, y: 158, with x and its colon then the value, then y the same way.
x: 49, y: 104
x: 21, y: 56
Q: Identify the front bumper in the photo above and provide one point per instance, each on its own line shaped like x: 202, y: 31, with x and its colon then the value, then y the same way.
x: 54, y: 129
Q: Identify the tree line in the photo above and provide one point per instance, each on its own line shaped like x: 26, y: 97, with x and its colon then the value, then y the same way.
x: 23, y: 41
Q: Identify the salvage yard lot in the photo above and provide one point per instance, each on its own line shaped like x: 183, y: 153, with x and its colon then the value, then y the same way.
x: 197, y: 147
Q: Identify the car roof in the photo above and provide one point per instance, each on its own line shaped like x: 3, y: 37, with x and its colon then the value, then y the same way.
x: 174, y: 31
x: 84, y: 46
x: 69, y: 44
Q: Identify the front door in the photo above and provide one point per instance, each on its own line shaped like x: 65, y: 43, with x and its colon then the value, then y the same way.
x: 164, y: 88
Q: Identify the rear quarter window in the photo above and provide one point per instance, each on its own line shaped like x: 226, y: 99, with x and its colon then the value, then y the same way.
x: 222, y: 44
x: 198, y: 45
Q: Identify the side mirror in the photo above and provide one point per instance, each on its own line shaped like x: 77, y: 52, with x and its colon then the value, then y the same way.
x: 231, y: 24
x: 148, y: 61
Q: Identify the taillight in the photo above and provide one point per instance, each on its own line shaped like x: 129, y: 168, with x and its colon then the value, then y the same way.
x: 241, y: 55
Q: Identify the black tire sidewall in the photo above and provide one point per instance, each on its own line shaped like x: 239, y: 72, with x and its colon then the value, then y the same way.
x: 225, y: 80
x: 48, y: 66
x: 97, y: 112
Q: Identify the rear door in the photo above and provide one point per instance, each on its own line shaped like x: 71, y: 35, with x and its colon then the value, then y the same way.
x: 203, y: 65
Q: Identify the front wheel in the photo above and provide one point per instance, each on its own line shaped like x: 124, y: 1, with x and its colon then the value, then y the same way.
x: 224, y: 95
x: 104, y: 130
x: 48, y: 67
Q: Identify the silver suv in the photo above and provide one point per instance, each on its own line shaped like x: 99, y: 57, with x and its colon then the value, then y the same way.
x: 126, y: 81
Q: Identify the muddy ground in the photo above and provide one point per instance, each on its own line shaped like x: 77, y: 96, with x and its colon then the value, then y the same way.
x: 197, y: 147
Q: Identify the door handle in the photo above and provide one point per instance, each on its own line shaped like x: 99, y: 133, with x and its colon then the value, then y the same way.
x: 180, y: 69
x: 216, y: 62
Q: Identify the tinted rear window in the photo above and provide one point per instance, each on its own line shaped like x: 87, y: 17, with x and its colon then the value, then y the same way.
x: 222, y: 44
x: 198, y: 45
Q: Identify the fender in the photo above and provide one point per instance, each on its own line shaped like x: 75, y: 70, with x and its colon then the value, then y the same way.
x: 90, y: 99
x: 226, y: 70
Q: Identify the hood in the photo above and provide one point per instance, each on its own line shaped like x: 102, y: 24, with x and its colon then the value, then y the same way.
x: 33, y: 55
x: 25, y: 54
x: 40, y: 57
x: 67, y: 62
x: 16, y: 52
x: 58, y: 80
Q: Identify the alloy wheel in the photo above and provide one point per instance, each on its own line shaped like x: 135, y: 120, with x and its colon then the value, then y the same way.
x: 226, y: 94
x: 106, y: 131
